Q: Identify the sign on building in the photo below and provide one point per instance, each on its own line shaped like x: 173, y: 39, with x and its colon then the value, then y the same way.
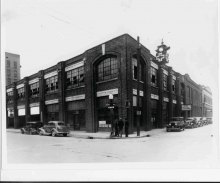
x: 186, y: 107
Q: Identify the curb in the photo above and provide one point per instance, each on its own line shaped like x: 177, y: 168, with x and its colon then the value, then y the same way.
x: 91, y: 137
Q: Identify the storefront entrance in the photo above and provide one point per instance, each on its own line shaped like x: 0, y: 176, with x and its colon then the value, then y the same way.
x: 154, y: 113
x: 76, y: 120
x: 52, y: 112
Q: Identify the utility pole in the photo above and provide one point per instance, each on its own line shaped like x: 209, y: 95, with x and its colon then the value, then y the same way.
x: 138, y: 83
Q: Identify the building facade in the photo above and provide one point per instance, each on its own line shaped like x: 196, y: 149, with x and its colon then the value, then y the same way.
x: 12, y: 68
x: 206, y: 101
x: 77, y: 90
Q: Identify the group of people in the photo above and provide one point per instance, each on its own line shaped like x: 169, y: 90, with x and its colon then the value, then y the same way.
x: 117, y: 128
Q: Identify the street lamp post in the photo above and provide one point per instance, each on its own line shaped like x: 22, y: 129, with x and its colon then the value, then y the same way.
x: 111, y: 107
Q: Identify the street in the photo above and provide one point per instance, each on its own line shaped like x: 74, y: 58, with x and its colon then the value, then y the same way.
x: 189, y: 145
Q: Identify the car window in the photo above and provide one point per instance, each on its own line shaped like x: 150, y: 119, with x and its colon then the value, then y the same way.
x: 60, y: 123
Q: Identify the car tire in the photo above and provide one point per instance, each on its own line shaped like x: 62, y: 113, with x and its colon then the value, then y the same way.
x: 22, y: 131
x: 65, y: 134
x: 54, y: 134
x: 168, y: 130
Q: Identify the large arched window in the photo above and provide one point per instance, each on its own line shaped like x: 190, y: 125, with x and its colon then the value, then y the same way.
x: 107, y: 69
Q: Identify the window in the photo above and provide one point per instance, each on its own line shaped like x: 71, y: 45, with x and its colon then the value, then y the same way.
x: 15, y: 64
x: 8, y: 63
x: 51, y: 84
x: 107, y: 69
x: 173, y: 86
x: 75, y: 77
x: 134, y: 70
x: 165, y: 82
x: 34, y: 89
x: 21, y: 93
x: 10, y: 93
x: 153, y: 76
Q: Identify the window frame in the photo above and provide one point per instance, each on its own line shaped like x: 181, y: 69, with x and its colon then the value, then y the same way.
x: 34, y: 89
x: 51, y: 84
x: 73, y: 77
x: 107, y: 69
x: 155, y: 72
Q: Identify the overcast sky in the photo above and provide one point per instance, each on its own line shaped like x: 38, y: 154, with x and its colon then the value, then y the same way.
x: 44, y: 32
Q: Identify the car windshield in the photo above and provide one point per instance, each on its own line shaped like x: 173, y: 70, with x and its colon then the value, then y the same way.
x: 60, y: 124
x: 31, y: 124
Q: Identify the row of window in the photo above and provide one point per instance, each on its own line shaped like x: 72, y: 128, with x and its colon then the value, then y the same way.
x: 106, y: 69
x: 9, y: 64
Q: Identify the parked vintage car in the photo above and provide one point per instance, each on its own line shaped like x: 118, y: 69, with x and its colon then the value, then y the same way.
x: 32, y: 127
x: 54, y: 128
x: 209, y: 120
x: 190, y: 122
x: 198, y: 121
x: 204, y: 120
x: 176, y: 124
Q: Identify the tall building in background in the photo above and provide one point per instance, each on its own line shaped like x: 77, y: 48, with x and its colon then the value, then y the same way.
x: 206, y: 101
x: 12, y: 68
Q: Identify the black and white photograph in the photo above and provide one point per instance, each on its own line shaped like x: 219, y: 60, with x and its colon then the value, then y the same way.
x: 110, y: 90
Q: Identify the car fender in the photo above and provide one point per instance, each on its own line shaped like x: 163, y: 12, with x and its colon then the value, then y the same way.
x: 23, y: 130
x: 42, y: 130
x: 55, y: 130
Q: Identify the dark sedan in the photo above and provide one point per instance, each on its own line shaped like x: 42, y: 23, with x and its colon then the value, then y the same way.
x: 190, y: 123
x: 176, y: 124
x: 32, y: 128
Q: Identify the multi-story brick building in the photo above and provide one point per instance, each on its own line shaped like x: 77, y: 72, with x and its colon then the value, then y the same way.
x: 12, y: 68
x: 206, y: 101
x: 77, y: 90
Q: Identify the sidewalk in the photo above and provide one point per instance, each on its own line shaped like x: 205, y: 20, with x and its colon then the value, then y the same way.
x: 104, y: 135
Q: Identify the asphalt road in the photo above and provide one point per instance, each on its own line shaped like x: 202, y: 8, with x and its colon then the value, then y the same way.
x: 190, y: 145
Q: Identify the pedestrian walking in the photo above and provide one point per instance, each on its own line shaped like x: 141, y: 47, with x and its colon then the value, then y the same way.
x: 116, y: 127
x: 120, y: 126
x: 126, y: 128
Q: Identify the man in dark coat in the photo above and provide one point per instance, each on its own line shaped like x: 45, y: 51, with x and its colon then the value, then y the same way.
x: 116, y: 127
x: 126, y: 128
x: 120, y: 126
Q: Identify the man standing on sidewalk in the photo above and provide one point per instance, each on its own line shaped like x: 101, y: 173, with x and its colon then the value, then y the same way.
x: 126, y: 127
x: 120, y: 126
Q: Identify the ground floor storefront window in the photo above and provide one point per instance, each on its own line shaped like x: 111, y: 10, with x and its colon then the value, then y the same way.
x: 154, y: 113
x: 175, y: 112
x: 165, y: 112
x: 10, y: 118
x: 52, y: 112
x: 21, y: 117
x: 35, y: 113
x: 76, y: 119
x: 76, y: 115
x: 106, y: 116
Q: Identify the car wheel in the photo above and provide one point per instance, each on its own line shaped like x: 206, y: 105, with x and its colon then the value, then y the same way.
x: 22, y: 131
x: 168, y: 130
x: 65, y: 134
x: 54, y: 134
